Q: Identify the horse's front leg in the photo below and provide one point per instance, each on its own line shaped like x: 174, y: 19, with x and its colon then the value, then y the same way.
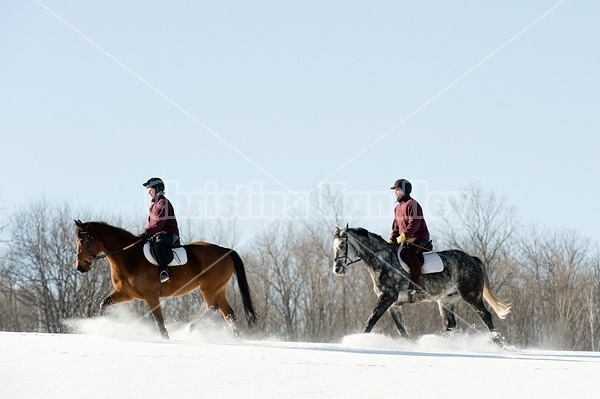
x: 113, y: 299
x: 398, y: 317
x: 383, y: 304
x: 156, y: 309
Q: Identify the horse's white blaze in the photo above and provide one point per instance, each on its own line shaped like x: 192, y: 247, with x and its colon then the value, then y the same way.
x: 340, y: 271
x: 336, y: 246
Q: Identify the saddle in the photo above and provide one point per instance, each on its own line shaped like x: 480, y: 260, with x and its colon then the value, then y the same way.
x: 432, y: 262
x: 179, y: 255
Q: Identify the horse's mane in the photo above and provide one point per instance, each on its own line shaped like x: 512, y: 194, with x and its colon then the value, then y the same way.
x: 118, y: 229
x: 367, y: 234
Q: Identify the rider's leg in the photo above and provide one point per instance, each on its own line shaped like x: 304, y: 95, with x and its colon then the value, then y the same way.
x: 162, y: 248
x: 414, y: 262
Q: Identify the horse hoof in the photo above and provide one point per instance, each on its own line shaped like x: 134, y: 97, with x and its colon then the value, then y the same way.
x: 498, y: 339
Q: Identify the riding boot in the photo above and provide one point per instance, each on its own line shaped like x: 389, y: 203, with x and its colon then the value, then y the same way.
x: 162, y: 249
x: 417, y: 285
x: 162, y: 263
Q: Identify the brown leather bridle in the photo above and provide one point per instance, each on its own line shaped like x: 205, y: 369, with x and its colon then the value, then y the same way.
x: 91, y: 257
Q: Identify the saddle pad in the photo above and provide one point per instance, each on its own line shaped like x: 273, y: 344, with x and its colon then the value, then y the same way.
x: 433, y: 263
x: 179, y: 256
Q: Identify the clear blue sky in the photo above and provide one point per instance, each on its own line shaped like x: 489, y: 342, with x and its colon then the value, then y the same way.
x: 98, y: 96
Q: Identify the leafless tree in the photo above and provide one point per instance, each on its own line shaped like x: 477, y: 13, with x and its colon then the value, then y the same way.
x: 556, y: 271
x: 40, y: 277
x: 552, y: 278
x: 591, y: 291
x: 484, y: 225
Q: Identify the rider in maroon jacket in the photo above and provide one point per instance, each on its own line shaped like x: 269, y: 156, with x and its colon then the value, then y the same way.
x: 410, y: 230
x: 162, y: 225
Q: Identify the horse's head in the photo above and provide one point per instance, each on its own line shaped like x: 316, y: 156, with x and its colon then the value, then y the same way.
x: 87, y: 247
x: 342, y: 251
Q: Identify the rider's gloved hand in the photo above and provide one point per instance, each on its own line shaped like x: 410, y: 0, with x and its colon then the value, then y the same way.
x: 401, y: 239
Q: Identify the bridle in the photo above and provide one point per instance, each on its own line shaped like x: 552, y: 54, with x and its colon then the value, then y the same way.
x: 91, y: 257
x: 88, y: 240
x: 346, y: 259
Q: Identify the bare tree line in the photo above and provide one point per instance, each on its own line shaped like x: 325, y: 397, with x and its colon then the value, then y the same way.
x: 39, y: 288
x: 551, y: 278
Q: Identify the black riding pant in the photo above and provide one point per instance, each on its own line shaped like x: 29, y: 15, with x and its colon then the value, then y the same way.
x: 414, y: 247
x: 163, y: 243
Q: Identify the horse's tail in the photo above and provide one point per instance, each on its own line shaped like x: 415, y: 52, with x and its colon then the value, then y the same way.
x: 501, y: 309
x: 240, y: 273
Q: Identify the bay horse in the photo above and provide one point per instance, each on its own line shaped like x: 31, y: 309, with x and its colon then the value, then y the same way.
x: 463, y: 276
x: 209, y: 268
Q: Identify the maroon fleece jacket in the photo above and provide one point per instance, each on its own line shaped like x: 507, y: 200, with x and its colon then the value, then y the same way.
x: 162, y: 217
x: 408, y: 219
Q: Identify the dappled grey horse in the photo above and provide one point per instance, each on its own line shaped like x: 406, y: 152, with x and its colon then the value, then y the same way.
x: 463, y: 277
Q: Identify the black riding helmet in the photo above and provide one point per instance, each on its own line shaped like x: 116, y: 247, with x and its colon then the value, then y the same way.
x: 403, y: 185
x: 155, y: 183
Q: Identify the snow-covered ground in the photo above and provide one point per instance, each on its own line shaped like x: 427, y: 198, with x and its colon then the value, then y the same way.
x: 112, y: 358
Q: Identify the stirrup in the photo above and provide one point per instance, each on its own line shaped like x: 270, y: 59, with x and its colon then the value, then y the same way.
x: 164, y: 276
x: 416, y: 288
x: 416, y: 291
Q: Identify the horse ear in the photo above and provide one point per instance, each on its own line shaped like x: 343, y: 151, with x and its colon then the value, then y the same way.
x: 347, y: 227
x: 337, y: 231
x: 78, y: 223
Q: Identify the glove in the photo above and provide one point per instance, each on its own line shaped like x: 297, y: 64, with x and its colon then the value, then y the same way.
x: 143, y: 236
x: 392, y: 241
x: 401, y: 239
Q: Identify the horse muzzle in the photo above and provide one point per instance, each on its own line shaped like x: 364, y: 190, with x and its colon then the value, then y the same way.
x: 83, y: 269
x: 339, y: 269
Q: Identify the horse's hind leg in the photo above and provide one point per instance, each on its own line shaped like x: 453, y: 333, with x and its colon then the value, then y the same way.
x: 224, y: 307
x: 486, y: 316
x: 446, y: 307
x: 218, y: 302
x: 483, y: 313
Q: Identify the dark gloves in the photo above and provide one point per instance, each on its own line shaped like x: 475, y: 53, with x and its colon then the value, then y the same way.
x: 144, y: 236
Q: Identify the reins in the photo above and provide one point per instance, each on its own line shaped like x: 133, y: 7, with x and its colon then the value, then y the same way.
x: 418, y: 246
x: 92, y: 258
x: 415, y: 245
x: 390, y: 264
x: 116, y: 251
